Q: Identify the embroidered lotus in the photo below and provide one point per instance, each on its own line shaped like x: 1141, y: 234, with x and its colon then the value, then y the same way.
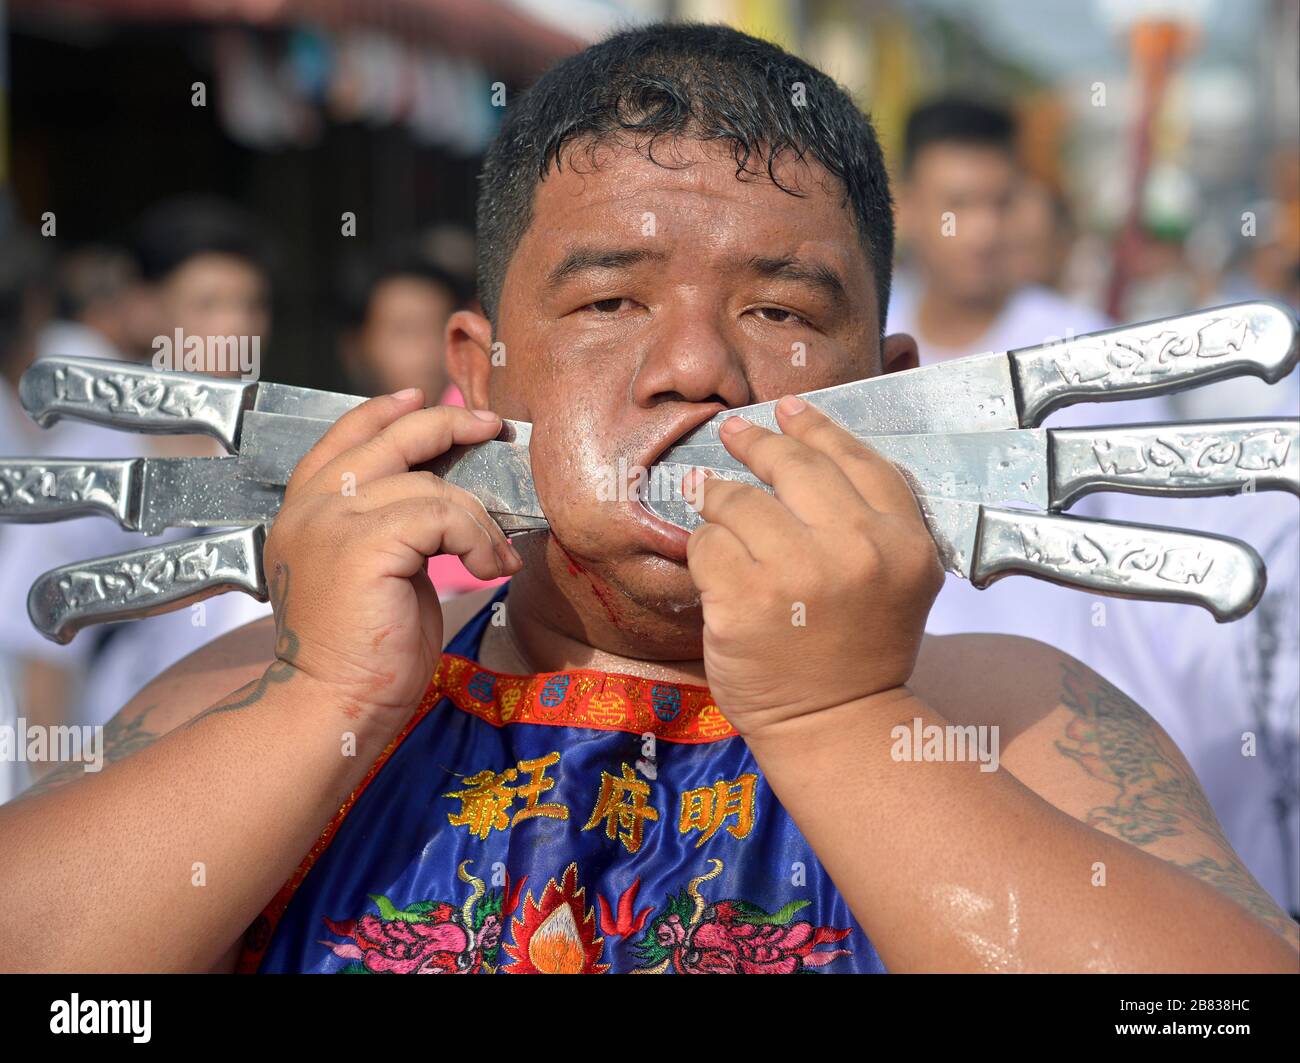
x: 734, y: 937
x: 427, y: 937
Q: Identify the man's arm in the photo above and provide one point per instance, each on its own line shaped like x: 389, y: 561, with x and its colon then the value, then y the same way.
x: 176, y: 696
x: 1091, y: 848
x: 237, y: 663
x: 815, y: 599
x: 1087, y: 748
x: 161, y: 860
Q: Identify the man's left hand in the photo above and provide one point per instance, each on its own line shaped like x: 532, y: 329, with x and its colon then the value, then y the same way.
x: 816, y: 596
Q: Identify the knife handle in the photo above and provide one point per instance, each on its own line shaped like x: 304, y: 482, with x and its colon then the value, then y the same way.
x: 1196, y: 458
x: 146, y: 582
x: 40, y: 490
x: 1255, y: 339
x: 135, y: 398
x: 1122, y: 560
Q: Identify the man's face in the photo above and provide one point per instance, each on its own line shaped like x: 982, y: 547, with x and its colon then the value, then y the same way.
x: 214, y: 295
x: 957, y: 213
x: 401, y: 342
x: 1039, y: 241
x: 643, y: 300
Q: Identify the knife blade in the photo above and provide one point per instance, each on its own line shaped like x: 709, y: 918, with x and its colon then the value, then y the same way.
x: 1017, y: 389
x: 1051, y: 468
x: 141, y: 494
x: 984, y: 543
x: 498, y: 472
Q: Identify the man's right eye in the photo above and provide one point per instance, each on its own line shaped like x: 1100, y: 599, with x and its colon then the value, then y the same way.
x: 606, y: 306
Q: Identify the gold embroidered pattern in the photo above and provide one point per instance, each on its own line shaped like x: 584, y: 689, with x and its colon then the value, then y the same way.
x: 707, y: 808
x: 624, y: 819
x: 484, y: 804
x: 535, y: 787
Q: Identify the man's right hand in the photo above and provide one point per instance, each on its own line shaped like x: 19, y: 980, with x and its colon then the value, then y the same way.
x: 346, y: 558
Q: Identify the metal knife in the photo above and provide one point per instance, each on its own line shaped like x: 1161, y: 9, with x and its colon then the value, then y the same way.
x: 1051, y: 468
x: 1017, y: 389
x: 498, y: 472
x: 139, y: 398
x: 1047, y: 468
x: 146, y: 582
x: 984, y: 543
x: 142, y: 494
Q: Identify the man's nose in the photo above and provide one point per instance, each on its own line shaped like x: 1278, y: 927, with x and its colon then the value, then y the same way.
x: 692, y: 359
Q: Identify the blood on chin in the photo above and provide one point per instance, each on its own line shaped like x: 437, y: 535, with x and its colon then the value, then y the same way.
x: 638, y: 581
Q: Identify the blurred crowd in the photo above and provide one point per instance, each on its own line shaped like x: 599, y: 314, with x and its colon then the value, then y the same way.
x: 1229, y: 694
x: 1018, y: 269
x: 204, y: 267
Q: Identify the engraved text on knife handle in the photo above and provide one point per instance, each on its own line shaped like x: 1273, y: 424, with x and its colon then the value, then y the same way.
x: 145, y: 582
x: 1256, y: 339
x: 39, y: 490
x: 1124, y: 560
x: 1210, y: 458
x: 135, y: 398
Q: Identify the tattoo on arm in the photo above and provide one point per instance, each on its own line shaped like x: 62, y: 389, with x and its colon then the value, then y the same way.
x: 122, y: 737
x: 1113, y: 740
x: 281, y: 669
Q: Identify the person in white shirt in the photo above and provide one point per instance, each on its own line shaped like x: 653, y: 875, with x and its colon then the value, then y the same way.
x: 202, y: 270
x: 1200, y: 680
x: 206, y: 271
x: 957, y: 206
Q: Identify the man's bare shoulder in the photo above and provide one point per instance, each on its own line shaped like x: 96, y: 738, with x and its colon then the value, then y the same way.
x: 240, y: 656
x: 1041, y: 699
x: 178, y: 695
x: 235, y: 659
x: 212, y: 671
x: 990, y: 679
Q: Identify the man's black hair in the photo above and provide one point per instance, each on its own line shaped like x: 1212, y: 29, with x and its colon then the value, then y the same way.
x: 708, y: 83
x: 955, y: 120
x: 362, y: 275
x: 91, y: 274
x: 177, y: 230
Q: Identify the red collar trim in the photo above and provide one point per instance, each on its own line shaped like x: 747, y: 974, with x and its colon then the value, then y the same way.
x: 600, y: 701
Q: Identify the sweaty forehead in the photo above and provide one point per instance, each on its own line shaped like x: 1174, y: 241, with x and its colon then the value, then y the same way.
x: 690, y: 200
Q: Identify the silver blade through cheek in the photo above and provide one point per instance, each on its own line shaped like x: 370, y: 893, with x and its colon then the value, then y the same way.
x: 664, y: 496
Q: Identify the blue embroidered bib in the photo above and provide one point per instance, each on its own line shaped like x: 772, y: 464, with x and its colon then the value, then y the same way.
x: 571, y: 822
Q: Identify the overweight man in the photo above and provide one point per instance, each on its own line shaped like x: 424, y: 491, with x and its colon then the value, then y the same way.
x: 649, y: 751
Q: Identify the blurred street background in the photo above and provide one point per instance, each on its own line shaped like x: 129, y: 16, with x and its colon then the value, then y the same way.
x: 317, y: 107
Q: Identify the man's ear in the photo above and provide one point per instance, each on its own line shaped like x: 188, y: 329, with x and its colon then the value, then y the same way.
x: 469, y: 356
x: 898, y: 353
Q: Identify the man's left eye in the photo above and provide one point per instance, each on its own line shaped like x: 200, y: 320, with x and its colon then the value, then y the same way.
x: 779, y: 315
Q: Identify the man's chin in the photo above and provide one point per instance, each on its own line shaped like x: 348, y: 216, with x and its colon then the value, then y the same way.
x: 646, y: 589
x: 662, y: 586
